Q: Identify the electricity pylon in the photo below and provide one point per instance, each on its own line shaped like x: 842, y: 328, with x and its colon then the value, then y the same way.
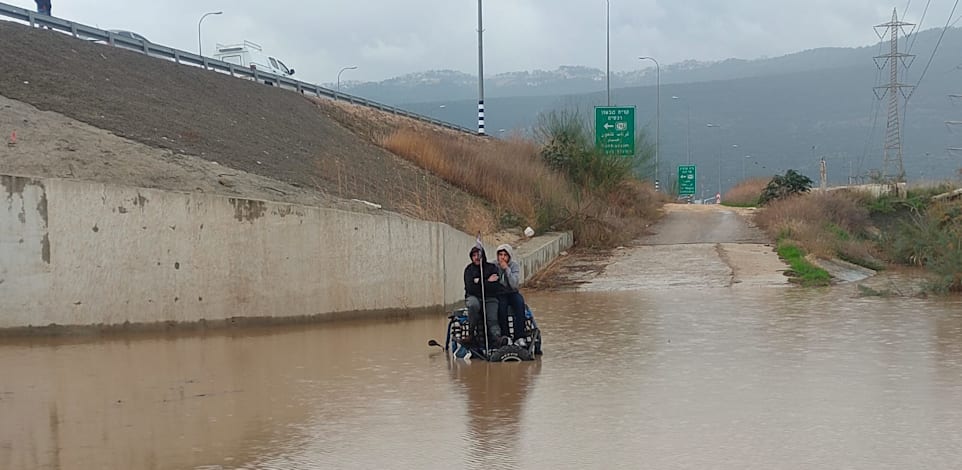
x: 893, y: 129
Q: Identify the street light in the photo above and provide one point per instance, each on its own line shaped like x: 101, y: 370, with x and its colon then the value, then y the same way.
x: 744, y: 159
x: 716, y: 126
x: 480, y: 73
x: 353, y: 67
x: 608, y: 48
x: 735, y: 147
x: 688, y: 132
x: 200, y: 50
x: 657, y: 112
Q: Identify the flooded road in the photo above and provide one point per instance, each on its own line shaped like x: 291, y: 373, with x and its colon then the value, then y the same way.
x: 673, y: 378
x: 636, y: 373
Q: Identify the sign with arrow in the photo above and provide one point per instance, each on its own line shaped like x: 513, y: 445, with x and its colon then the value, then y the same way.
x: 615, y: 130
x: 686, y: 180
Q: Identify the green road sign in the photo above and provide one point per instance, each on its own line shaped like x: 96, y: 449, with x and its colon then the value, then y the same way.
x: 615, y: 130
x: 686, y: 180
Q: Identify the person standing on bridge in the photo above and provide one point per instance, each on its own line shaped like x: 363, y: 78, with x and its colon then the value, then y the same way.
x: 43, y: 7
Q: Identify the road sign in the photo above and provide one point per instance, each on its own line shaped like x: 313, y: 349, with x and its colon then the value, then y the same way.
x: 615, y: 130
x: 686, y: 180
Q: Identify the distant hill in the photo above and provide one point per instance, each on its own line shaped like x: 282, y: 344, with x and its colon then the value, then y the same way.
x: 775, y: 110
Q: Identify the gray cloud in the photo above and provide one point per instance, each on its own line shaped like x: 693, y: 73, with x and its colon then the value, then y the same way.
x: 386, y: 38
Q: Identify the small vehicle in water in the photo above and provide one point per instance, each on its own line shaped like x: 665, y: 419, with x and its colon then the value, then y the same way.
x: 459, y: 343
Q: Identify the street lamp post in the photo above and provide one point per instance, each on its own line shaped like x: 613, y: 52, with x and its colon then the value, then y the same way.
x: 200, y: 50
x: 657, y: 113
x: 716, y: 126
x: 480, y: 73
x: 744, y: 159
x: 688, y: 131
x: 338, y: 89
x: 608, y: 48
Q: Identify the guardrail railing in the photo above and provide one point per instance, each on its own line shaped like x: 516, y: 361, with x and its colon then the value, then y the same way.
x: 85, y: 32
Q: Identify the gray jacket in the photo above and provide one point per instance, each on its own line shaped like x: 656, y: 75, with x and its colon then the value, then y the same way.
x: 511, y: 277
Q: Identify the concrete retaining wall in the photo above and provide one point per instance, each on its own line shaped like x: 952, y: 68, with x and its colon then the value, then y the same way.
x: 537, y: 252
x: 89, y: 254
x: 78, y: 253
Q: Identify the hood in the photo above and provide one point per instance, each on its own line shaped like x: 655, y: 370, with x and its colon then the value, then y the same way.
x: 506, y: 247
x: 484, y: 259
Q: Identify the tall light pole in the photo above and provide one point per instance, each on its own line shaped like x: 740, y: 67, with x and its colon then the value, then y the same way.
x: 744, y: 159
x: 657, y: 113
x: 353, y: 67
x: 716, y: 126
x: 735, y: 147
x: 480, y: 73
x: 688, y: 132
x: 200, y: 50
x: 607, y: 48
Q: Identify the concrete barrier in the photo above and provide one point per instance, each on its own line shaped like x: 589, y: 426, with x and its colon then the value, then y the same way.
x: 81, y: 253
x: 536, y: 253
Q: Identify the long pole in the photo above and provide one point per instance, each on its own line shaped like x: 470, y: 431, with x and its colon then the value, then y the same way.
x: 338, y: 89
x: 200, y: 50
x: 480, y: 73
x: 657, y: 113
x: 688, y: 134
x: 688, y: 129
x: 608, y: 48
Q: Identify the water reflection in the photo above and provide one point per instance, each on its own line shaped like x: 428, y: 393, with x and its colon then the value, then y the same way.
x: 655, y: 378
x: 494, y: 396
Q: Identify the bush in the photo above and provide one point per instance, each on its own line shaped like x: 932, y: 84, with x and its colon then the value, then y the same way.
x: 827, y: 224
x: 783, y: 186
x: 933, y: 239
x: 746, y: 193
x: 568, y: 146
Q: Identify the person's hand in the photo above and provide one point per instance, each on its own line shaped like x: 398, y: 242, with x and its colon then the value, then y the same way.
x: 503, y: 263
x: 493, y: 278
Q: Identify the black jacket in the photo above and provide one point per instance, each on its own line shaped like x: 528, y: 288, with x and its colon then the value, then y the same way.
x: 473, y: 271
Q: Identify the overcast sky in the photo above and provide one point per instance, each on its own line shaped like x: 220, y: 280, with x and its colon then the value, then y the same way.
x: 388, y: 38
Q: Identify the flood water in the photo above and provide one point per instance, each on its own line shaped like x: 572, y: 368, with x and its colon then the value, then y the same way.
x: 722, y: 378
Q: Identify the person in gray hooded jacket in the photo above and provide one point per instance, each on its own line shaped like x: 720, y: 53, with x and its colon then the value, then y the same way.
x: 510, y: 278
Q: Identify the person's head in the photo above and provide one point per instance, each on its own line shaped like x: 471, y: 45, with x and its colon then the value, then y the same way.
x: 505, y: 252
x: 476, y: 254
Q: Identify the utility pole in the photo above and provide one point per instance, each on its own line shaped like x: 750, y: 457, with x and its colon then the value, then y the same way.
x: 480, y: 74
x: 893, y: 129
x: 608, y: 48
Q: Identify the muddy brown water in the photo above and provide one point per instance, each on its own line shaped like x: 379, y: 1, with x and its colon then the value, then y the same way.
x: 723, y: 378
x: 689, y: 350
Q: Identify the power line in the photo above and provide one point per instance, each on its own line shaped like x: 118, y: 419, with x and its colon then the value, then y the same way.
x: 936, y: 48
x: 917, y: 27
x: 874, y: 113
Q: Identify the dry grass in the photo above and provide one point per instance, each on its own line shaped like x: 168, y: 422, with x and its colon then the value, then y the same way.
x: 827, y: 224
x: 745, y: 193
x: 509, y: 174
x: 513, y: 185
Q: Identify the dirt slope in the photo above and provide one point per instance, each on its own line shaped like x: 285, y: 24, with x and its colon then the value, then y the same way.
x: 242, y: 125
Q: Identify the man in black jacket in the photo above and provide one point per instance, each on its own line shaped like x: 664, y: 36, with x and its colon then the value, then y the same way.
x: 480, y: 274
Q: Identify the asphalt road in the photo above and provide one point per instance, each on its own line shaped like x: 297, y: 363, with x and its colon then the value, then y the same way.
x: 698, y: 246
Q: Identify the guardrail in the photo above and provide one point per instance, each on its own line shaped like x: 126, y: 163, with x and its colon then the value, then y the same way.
x: 85, y: 32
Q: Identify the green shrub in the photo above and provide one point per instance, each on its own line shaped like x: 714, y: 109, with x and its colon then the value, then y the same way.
x: 785, y: 185
x: 568, y: 146
x: 932, y: 239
